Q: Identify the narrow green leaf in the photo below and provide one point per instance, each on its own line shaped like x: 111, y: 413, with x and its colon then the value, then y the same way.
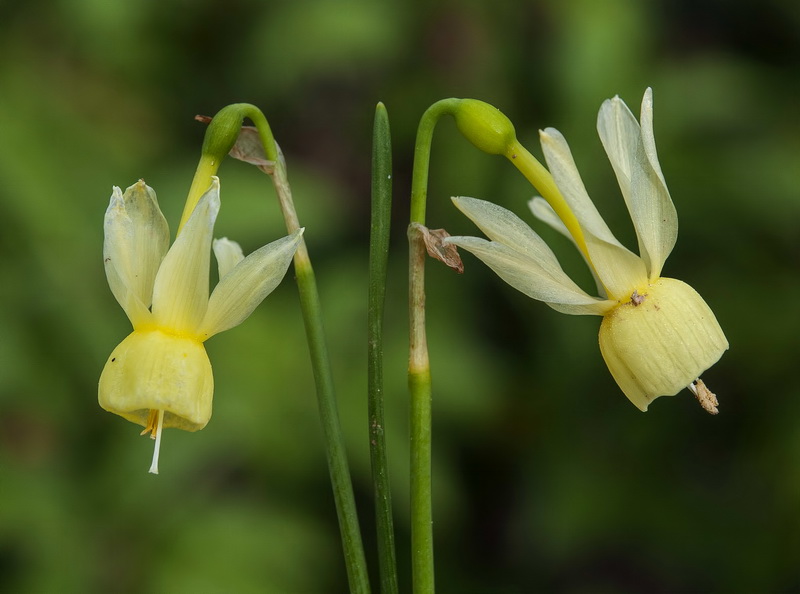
x: 378, y: 259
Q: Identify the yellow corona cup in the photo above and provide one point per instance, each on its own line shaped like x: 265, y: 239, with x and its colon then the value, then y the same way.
x: 658, y: 335
x: 160, y: 375
x: 660, y: 342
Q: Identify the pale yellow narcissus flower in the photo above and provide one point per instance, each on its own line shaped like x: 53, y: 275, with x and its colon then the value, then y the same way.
x: 657, y: 335
x: 160, y: 375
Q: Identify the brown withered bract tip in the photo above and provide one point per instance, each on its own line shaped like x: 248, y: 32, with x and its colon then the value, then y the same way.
x: 434, y: 244
x: 248, y: 148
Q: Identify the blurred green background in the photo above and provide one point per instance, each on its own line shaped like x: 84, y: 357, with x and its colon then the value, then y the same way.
x: 546, y: 477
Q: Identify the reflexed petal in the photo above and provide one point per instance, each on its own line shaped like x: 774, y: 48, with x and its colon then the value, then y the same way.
x: 620, y: 134
x: 180, y: 296
x: 660, y: 226
x: 228, y: 254
x: 241, y: 290
x: 531, y: 278
x: 631, y: 150
x: 136, y: 239
x: 503, y: 226
x: 137, y: 313
x: 568, y: 179
x: 648, y: 138
x: 156, y: 371
x: 619, y: 270
x: 542, y: 210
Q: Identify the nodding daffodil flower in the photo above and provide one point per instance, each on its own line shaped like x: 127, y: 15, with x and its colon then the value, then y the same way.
x: 160, y: 375
x: 657, y: 335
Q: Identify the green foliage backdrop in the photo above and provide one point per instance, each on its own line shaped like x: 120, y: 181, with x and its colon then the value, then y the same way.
x: 546, y: 478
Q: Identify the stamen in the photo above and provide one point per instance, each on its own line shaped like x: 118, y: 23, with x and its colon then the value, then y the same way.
x: 157, y: 436
x: 706, y: 398
x: 152, y: 419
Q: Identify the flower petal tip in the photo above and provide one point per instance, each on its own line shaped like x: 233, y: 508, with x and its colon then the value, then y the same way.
x: 647, y: 103
x: 116, y: 197
x: 463, y: 202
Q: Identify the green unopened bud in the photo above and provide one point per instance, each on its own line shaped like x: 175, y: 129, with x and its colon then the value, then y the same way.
x: 485, y: 126
x: 660, y: 341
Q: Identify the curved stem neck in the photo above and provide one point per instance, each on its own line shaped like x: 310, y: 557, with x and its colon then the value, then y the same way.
x: 220, y: 136
x: 422, y: 156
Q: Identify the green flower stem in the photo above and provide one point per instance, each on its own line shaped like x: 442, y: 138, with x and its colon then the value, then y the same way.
x: 329, y: 415
x: 419, y: 371
x: 543, y: 181
x: 419, y: 386
x: 220, y: 137
x: 207, y: 167
x: 378, y: 259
